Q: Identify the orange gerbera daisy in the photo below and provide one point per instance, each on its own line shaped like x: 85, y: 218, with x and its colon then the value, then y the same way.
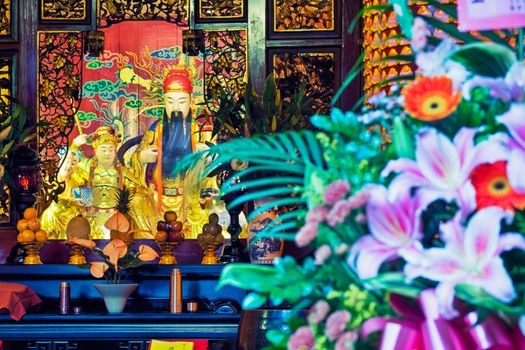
x: 493, y: 188
x: 431, y: 98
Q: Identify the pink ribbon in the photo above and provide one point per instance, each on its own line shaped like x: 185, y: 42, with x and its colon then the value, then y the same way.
x: 424, y: 329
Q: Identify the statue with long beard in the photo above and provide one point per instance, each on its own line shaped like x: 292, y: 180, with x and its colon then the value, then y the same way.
x: 167, y: 142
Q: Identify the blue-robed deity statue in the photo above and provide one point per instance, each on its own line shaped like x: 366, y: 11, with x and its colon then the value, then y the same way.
x: 166, y: 143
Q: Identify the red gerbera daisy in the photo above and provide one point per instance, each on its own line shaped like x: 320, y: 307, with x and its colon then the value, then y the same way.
x: 493, y: 187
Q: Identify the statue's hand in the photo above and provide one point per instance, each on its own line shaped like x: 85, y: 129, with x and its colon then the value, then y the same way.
x: 80, y: 140
x: 206, y: 196
x: 208, y: 193
x: 148, y: 156
x: 69, y: 165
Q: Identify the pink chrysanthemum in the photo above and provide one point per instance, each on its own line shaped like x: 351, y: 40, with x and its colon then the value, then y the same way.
x: 338, y: 213
x: 322, y: 253
x: 336, y: 324
x: 318, y: 312
x: 346, y: 341
x: 317, y: 214
x: 302, y: 339
x: 335, y: 191
x: 306, y: 235
x: 359, y: 199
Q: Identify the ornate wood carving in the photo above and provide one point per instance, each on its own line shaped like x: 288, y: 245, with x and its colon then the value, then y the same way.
x: 115, y: 11
x: 64, y: 10
x: 59, y: 86
x: 317, y: 71
x: 225, y: 61
x: 221, y: 10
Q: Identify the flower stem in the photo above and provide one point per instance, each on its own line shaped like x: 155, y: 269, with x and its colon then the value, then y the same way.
x: 520, y: 44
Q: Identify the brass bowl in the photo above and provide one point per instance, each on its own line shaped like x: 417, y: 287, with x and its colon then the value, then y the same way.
x: 167, y: 249
x: 32, y: 249
x: 210, y: 258
x: 77, y: 256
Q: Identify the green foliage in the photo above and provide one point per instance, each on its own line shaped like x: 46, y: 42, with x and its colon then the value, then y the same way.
x: 251, y: 114
x: 287, y: 281
x: 478, y: 297
x: 283, y: 159
x: 486, y: 59
x: 394, y: 282
x: 15, y: 128
x: 402, y: 140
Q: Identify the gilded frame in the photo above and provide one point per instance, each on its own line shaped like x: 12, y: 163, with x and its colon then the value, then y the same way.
x: 199, y: 18
x: 335, y: 52
x: 12, y: 36
x: 303, y: 33
x: 84, y: 19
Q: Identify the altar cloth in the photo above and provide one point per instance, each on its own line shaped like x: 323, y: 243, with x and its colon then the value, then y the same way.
x: 17, y: 298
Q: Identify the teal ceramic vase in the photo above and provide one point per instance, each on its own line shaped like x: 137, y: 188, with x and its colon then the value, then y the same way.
x: 115, y: 295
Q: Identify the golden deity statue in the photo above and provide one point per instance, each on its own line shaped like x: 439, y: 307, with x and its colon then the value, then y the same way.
x: 167, y: 142
x: 92, y: 185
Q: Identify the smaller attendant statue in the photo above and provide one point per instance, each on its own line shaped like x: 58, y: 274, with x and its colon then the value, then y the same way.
x: 92, y: 185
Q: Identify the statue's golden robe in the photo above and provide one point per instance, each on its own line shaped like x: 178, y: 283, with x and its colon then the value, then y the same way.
x: 105, y: 185
x: 179, y: 194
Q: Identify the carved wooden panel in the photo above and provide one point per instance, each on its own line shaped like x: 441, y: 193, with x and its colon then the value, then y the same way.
x: 115, y: 11
x: 64, y: 10
x: 59, y: 85
x: 8, y: 20
x: 219, y: 10
x: 225, y: 61
x: 303, y: 17
x: 316, y: 70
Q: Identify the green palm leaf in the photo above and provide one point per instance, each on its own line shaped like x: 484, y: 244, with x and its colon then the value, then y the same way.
x: 277, y: 170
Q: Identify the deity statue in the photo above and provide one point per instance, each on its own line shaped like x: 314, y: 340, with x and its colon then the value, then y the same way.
x: 102, y: 176
x: 167, y: 142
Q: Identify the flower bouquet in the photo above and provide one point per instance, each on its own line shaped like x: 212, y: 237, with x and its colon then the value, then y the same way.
x: 414, y: 207
x: 119, y: 259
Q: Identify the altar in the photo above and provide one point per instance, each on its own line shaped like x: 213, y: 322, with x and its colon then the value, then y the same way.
x: 146, y: 316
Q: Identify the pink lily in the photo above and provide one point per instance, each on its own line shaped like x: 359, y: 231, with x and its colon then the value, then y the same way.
x: 115, y: 249
x: 147, y: 253
x: 394, y: 228
x: 118, y: 222
x: 442, y: 168
x: 98, y: 269
x: 513, y: 120
x: 471, y: 256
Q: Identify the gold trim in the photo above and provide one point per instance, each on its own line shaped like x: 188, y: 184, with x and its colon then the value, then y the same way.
x: 83, y: 18
x: 221, y: 17
x: 304, y: 29
x: 7, y: 214
x: 9, y: 28
x: 99, y: 11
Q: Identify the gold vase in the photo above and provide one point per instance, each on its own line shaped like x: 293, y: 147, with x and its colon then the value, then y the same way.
x: 209, y: 254
x: 77, y: 254
x: 32, y: 249
x: 167, y: 256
